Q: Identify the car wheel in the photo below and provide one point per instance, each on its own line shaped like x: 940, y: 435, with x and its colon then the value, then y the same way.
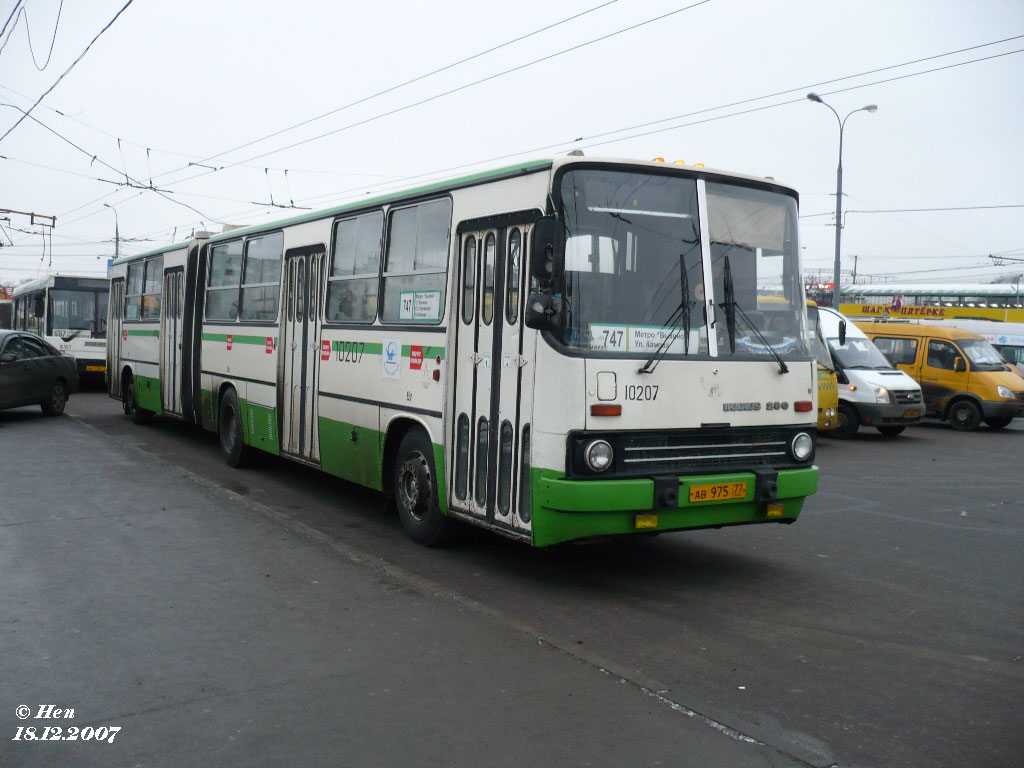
x: 54, y: 404
x: 232, y: 438
x: 130, y: 404
x: 847, y: 422
x: 964, y: 415
x: 891, y: 431
x: 415, y: 491
x: 998, y: 422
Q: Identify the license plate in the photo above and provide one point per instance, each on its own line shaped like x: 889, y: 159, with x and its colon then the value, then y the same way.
x: 95, y: 368
x: 910, y: 414
x: 717, y: 491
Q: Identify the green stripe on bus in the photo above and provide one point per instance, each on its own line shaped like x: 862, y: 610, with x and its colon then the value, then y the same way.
x: 136, y: 332
x: 238, y: 338
x: 373, y: 348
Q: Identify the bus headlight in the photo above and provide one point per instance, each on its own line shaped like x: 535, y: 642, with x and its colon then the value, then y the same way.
x: 1006, y: 392
x: 881, y: 395
x: 801, y: 446
x: 598, y: 455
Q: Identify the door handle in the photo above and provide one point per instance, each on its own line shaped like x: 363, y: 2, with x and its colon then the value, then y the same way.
x: 476, y: 358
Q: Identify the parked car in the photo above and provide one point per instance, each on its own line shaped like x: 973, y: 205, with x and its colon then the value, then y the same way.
x: 34, y: 373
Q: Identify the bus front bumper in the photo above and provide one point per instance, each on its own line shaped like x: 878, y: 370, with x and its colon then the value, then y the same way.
x: 566, y: 509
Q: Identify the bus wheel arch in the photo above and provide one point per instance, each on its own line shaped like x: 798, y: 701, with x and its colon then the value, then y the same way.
x: 410, y: 477
x: 964, y: 414
x: 231, y: 427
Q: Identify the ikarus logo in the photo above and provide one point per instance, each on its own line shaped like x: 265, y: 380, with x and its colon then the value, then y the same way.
x: 391, y: 358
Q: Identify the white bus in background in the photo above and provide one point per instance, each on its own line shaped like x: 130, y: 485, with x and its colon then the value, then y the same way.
x: 69, y: 312
x: 554, y: 350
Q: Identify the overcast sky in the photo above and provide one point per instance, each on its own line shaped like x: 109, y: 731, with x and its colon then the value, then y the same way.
x: 180, y: 81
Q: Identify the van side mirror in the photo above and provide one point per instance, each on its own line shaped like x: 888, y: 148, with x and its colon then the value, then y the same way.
x: 842, y: 332
x: 958, y: 365
x: 38, y: 306
x: 546, y: 248
x: 543, y: 311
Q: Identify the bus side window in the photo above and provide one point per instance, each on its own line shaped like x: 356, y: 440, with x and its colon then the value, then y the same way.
x: 416, y: 264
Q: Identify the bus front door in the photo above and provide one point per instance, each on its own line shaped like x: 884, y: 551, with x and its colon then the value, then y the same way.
x: 491, y: 401
x: 171, y: 315
x: 115, y: 314
x: 298, y: 356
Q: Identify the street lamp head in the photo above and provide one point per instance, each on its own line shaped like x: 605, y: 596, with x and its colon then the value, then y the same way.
x: 815, y: 97
x: 870, y: 108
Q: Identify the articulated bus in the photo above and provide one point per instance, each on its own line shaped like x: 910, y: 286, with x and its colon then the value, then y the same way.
x: 70, y: 312
x: 556, y: 350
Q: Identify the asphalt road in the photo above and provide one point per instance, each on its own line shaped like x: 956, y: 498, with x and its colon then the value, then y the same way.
x: 884, y: 628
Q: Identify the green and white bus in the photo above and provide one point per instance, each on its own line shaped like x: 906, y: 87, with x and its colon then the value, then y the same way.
x: 555, y: 350
x: 69, y: 312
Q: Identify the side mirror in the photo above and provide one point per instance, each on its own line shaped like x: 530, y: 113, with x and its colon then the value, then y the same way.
x: 38, y: 306
x: 8, y: 357
x: 545, y: 248
x: 543, y: 311
x: 958, y: 365
x: 842, y: 332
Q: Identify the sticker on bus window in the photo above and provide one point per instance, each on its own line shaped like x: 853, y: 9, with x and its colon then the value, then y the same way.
x: 641, y: 338
x: 419, y: 306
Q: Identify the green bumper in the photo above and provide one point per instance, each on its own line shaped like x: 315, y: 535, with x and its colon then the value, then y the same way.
x: 566, y: 509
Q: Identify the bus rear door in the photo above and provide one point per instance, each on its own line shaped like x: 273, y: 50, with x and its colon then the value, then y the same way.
x: 171, y: 315
x: 115, y: 310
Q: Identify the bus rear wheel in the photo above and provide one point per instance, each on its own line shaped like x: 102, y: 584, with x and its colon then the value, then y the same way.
x: 131, y: 404
x: 415, y: 491
x: 847, y: 422
x: 964, y: 415
x: 229, y: 428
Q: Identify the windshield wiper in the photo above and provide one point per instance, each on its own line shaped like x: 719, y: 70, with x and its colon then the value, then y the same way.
x: 681, y: 312
x: 731, y: 307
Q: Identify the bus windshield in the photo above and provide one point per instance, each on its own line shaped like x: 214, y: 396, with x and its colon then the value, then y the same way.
x: 79, y: 311
x: 983, y: 356
x: 858, y: 352
x: 634, y: 274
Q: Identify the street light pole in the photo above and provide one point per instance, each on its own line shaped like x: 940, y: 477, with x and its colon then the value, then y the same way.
x: 117, y: 232
x: 839, y: 191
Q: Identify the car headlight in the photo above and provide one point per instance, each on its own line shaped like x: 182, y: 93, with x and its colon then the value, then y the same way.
x: 1006, y: 392
x: 598, y: 455
x: 881, y: 395
x: 801, y: 446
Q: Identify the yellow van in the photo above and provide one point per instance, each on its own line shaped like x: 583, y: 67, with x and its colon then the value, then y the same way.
x: 828, y: 385
x: 963, y: 378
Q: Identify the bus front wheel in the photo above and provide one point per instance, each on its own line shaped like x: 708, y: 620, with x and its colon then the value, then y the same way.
x: 415, y: 491
x: 847, y: 422
x: 229, y: 428
x: 964, y: 415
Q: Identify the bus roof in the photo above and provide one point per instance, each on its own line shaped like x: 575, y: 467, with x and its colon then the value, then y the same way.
x: 517, y: 169
x: 51, y: 281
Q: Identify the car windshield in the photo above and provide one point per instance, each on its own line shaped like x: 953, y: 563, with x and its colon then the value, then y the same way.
x: 858, y: 353
x: 983, y: 356
x: 634, y: 274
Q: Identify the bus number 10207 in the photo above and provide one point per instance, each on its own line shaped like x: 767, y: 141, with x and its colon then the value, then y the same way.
x: 641, y: 392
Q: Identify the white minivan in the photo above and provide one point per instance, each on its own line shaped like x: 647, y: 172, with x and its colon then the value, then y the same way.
x: 871, y: 391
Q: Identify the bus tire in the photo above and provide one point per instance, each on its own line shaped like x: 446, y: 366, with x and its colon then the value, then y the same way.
x: 892, y: 431
x: 415, y: 492
x: 54, y: 404
x: 129, y: 402
x: 230, y: 429
x: 964, y: 415
x: 847, y: 422
x: 998, y: 422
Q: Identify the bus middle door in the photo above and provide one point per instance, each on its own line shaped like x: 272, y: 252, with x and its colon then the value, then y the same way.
x: 171, y: 306
x: 299, y: 353
x: 115, y: 313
